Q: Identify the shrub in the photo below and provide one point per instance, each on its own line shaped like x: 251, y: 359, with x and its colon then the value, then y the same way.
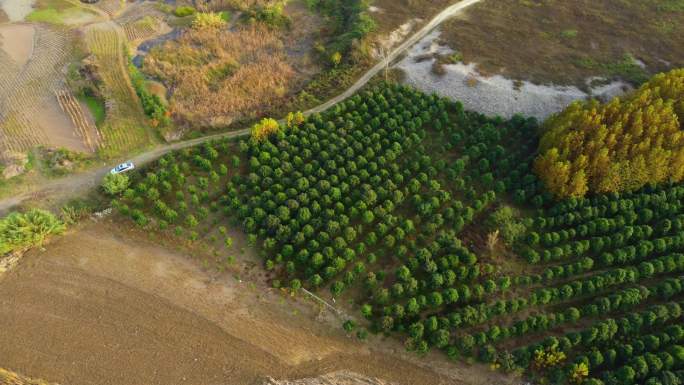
x: 350, y: 23
x: 21, y: 230
x: 349, y: 326
x: 504, y: 220
x: 209, y: 20
x: 152, y: 105
x: 272, y: 15
x: 184, y: 10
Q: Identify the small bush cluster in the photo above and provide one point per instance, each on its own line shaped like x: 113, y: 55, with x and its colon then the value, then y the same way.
x: 21, y: 230
x: 184, y: 10
x: 152, y: 105
x: 208, y: 20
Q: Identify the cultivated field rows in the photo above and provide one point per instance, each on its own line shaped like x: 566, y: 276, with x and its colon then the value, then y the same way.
x: 111, y: 7
x: 140, y: 29
x: 24, y: 90
x: 85, y: 129
x: 123, y: 128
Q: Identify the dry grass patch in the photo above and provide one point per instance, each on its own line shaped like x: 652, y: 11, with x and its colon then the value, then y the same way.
x: 565, y: 42
x: 390, y: 14
x: 218, y: 77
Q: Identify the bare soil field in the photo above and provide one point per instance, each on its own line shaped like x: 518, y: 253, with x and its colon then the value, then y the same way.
x: 566, y: 42
x: 107, y: 307
x: 61, y: 130
x: 16, y: 10
x: 17, y: 42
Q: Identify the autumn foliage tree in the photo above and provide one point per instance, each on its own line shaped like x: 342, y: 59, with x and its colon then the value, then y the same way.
x: 264, y: 129
x: 619, y: 146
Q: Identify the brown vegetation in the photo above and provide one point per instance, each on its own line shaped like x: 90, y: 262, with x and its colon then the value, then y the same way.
x: 390, y: 14
x: 219, y: 77
x: 569, y: 41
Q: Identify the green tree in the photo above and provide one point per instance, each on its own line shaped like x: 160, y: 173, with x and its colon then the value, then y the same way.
x: 115, y: 184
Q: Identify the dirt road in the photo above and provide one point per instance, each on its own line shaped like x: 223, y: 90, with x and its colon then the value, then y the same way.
x: 102, y: 306
x: 447, y: 13
x: 74, y: 185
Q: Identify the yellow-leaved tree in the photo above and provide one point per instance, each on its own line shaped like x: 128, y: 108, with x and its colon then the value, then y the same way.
x: 265, y: 128
x: 619, y: 146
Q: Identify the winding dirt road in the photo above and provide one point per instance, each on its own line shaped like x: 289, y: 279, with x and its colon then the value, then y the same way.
x: 76, y: 184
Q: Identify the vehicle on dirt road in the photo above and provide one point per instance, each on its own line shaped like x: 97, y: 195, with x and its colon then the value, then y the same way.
x: 123, y: 167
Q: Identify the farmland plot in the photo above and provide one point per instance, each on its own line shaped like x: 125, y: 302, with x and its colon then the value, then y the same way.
x: 141, y: 29
x: 124, y: 126
x: 84, y: 126
x: 111, y: 7
x: 29, y: 76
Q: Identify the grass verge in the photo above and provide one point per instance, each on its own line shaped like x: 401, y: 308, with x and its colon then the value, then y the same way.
x: 96, y: 107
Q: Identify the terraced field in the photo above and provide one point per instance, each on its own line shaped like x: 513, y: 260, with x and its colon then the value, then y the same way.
x: 140, y: 29
x: 124, y: 127
x: 111, y: 7
x: 84, y: 126
x: 26, y: 90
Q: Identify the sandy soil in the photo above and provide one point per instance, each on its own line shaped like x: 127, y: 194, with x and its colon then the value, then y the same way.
x: 394, y: 38
x: 491, y: 95
x: 336, y: 378
x: 58, y: 127
x: 98, y: 307
x: 16, y: 10
x: 17, y: 41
